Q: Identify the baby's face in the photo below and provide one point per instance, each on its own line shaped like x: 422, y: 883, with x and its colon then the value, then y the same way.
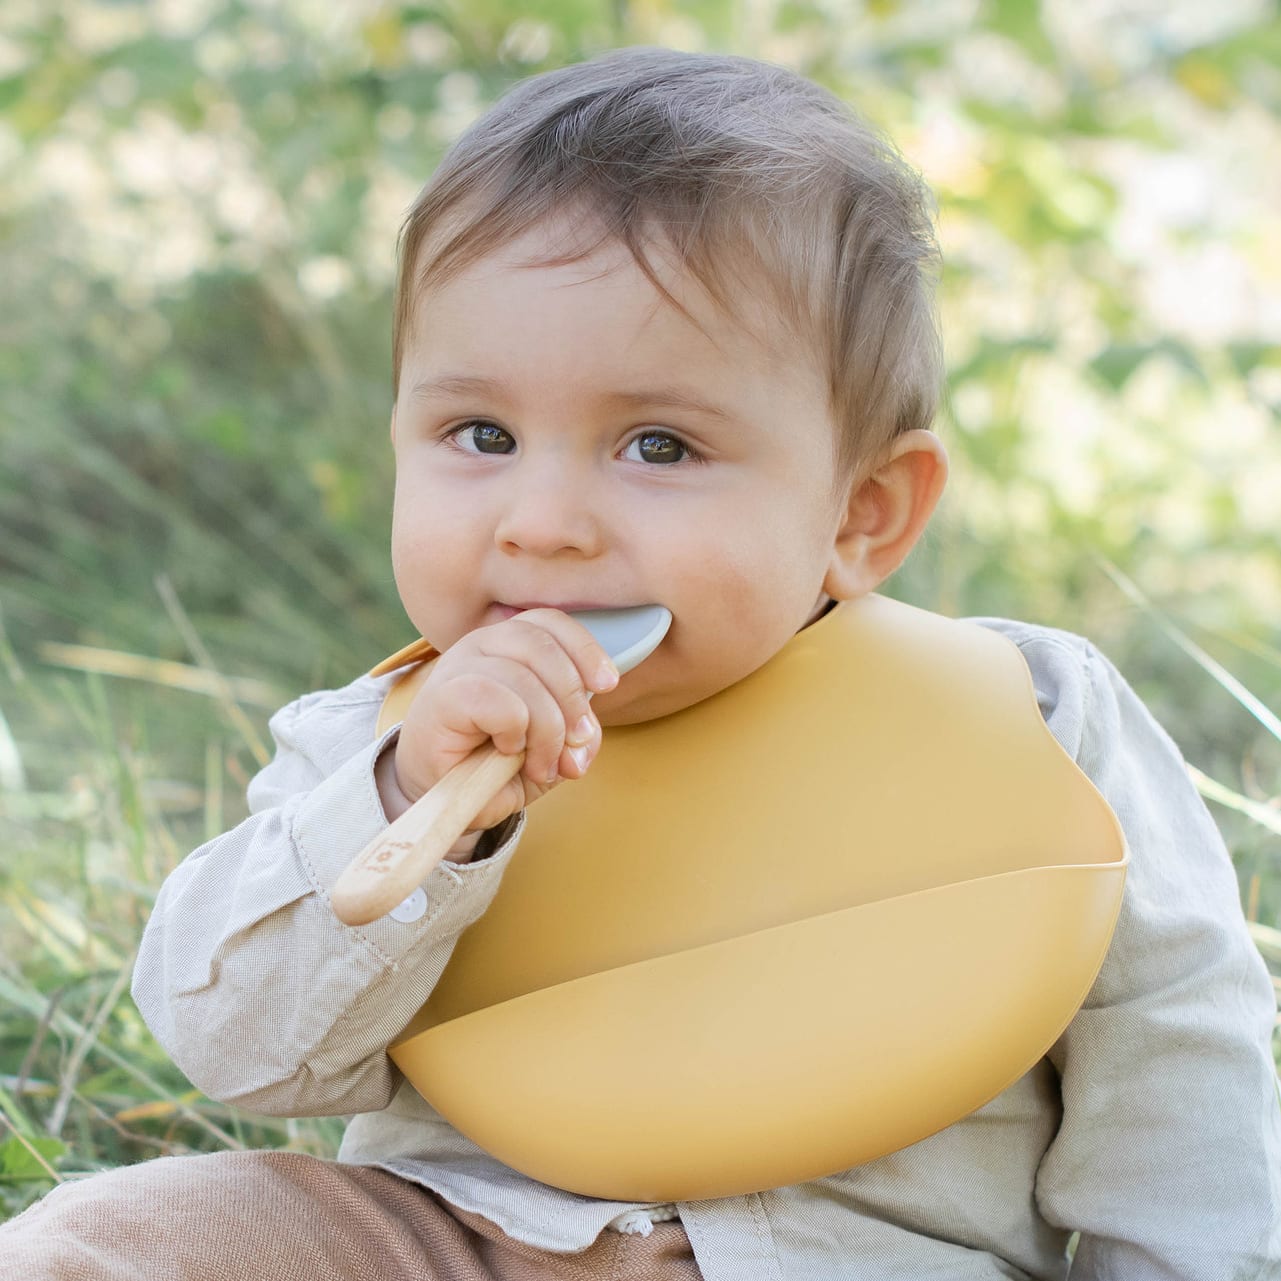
x: 565, y: 437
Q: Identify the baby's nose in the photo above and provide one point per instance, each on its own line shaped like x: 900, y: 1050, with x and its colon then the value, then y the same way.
x: 546, y: 516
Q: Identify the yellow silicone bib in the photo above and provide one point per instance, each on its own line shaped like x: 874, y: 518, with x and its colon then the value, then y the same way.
x: 804, y: 923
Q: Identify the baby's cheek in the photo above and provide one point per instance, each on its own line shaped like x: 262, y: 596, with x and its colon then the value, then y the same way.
x: 433, y: 570
x: 732, y: 583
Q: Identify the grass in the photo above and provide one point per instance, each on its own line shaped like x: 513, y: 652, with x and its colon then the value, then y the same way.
x: 112, y: 767
x: 83, y: 1086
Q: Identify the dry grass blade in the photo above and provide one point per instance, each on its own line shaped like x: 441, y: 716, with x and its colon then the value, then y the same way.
x: 1251, y: 645
x: 225, y: 697
x: 13, y: 777
x: 1212, y: 790
x: 33, y: 1050
x: 88, y: 1039
x: 147, y: 1111
x: 32, y: 1150
x: 60, y: 932
x: 156, y: 671
x: 1266, y: 939
x: 1259, y: 710
x: 113, y: 1123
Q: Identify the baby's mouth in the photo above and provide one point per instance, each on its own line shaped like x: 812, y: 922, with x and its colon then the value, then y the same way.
x: 506, y: 611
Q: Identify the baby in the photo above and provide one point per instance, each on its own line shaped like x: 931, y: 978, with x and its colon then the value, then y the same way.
x: 664, y: 334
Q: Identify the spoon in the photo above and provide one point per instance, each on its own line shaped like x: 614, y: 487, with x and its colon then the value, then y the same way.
x: 398, y: 860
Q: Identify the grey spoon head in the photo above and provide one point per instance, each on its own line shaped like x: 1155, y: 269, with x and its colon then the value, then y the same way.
x: 628, y: 636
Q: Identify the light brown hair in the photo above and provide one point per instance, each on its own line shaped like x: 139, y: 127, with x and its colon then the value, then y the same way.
x: 752, y: 174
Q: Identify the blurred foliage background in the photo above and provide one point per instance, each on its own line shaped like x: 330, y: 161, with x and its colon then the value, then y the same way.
x: 199, y: 203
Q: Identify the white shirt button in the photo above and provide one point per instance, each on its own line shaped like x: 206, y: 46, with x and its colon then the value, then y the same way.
x: 411, y: 909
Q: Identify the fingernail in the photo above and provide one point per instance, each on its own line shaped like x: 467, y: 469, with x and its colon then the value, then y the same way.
x: 581, y: 757
x: 581, y: 733
x: 606, y: 677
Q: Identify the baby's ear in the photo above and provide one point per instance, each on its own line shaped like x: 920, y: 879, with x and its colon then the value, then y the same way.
x: 885, y: 513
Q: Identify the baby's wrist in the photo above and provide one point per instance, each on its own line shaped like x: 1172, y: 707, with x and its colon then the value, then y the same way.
x: 394, y: 801
x: 483, y: 842
x: 464, y: 848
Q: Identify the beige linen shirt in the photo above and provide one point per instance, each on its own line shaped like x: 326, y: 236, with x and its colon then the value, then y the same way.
x: 1151, y: 1127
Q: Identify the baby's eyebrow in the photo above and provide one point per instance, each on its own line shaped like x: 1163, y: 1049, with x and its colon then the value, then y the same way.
x: 658, y: 397
x: 454, y: 385
x: 668, y: 398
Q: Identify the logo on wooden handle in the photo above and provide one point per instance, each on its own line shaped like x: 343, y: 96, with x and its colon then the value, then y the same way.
x: 377, y: 860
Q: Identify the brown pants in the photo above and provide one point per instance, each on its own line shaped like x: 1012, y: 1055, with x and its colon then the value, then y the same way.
x: 282, y: 1216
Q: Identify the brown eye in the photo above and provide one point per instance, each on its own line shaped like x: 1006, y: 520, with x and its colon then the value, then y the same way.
x: 485, y: 438
x: 658, y: 447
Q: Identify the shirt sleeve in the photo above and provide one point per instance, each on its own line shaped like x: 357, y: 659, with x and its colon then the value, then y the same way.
x: 257, y: 991
x: 1168, y: 1157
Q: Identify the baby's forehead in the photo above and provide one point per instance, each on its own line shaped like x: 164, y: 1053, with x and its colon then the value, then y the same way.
x: 725, y: 298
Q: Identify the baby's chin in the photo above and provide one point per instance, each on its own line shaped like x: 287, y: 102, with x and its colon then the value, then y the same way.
x: 681, y: 674
x: 650, y: 702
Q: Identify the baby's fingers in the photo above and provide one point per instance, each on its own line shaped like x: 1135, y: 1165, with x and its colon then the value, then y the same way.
x: 577, y: 755
x: 589, y: 666
x: 538, y: 641
x: 476, y: 706
x: 512, y: 705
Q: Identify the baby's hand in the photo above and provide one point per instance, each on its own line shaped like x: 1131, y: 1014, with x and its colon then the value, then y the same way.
x: 522, y: 683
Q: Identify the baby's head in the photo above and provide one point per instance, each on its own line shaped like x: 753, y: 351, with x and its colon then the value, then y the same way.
x: 664, y: 333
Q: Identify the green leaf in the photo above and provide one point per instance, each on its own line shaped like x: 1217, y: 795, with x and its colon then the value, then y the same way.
x: 1117, y: 362
x: 1021, y: 21
x: 11, y: 90
x: 163, y: 67
x: 225, y: 428
x: 18, y: 1164
x: 991, y: 357
x: 1246, y: 356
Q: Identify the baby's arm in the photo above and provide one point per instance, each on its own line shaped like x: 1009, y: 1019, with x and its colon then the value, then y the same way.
x: 1168, y: 1159
x: 245, y: 975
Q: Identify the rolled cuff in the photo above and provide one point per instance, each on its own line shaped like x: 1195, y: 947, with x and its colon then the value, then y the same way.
x: 344, y: 812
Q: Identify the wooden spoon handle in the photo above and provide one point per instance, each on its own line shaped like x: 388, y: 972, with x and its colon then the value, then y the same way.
x: 398, y: 860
